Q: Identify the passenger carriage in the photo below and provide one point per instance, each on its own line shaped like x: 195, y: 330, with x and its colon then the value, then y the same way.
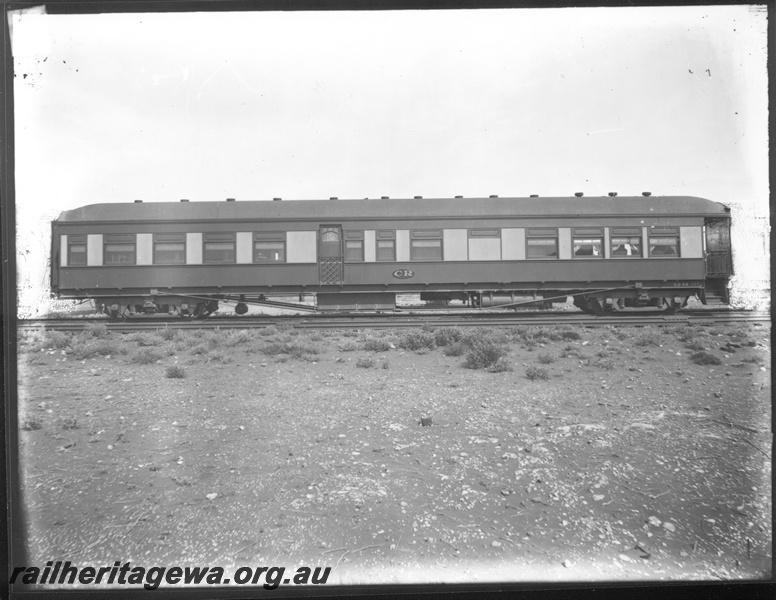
x: 610, y: 253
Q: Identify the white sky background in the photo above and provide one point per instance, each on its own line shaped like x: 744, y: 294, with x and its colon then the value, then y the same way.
x: 205, y: 106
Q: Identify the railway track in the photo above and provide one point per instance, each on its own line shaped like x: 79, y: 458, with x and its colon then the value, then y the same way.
x: 403, y: 319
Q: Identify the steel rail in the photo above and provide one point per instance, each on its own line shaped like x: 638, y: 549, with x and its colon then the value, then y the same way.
x: 402, y: 320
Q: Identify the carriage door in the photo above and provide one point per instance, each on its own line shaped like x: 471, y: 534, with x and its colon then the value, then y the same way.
x: 330, y: 255
x: 718, y: 257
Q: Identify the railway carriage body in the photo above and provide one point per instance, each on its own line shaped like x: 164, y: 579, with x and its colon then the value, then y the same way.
x: 610, y: 253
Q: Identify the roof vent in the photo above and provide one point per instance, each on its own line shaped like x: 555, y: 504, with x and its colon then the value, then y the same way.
x: 418, y: 197
x: 138, y: 201
x: 333, y: 198
x: 494, y: 195
x: 277, y: 199
x: 612, y: 194
x: 646, y: 193
x: 579, y: 194
x: 459, y: 196
x: 230, y: 199
x: 534, y: 195
x: 184, y: 199
x: 384, y: 197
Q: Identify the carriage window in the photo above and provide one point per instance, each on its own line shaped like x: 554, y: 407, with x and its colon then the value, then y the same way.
x: 169, y: 248
x: 76, y: 251
x: 386, y: 246
x: 626, y: 242
x: 664, y: 241
x: 269, y: 247
x: 354, y: 246
x: 119, y: 250
x: 542, y: 243
x: 588, y: 242
x: 426, y: 245
x: 218, y: 248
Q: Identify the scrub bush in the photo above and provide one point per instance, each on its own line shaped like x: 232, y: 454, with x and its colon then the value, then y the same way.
x: 534, y: 373
x: 484, y: 353
x: 605, y: 363
x: 175, y: 372
x: 83, y: 349
x: 68, y: 423
x: 168, y: 334
x: 146, y: 356
x: 445, y: 336
x: 502, y: 365
x: 32, y: 423
x: 301, y: 348
x: 98, y: 330
x: 704, y: 358
x: 237, y: 337
x: 219, y: 356
x: 694, y: 345
x: 377, y: 345
x: 57, y: 339
x: 417, y: 340
x: 455, y: 349
x: 649, y: 338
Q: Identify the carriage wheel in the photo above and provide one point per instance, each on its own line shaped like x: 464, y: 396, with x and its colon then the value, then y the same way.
x: 190, y: 312
x: 113, y: 311
x: 665, y: 305
x: 619, y: 304
x: 205, y: 309
x: 594, y: 306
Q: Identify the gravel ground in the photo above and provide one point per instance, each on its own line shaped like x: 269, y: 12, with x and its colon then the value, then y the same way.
x: 609, y: 457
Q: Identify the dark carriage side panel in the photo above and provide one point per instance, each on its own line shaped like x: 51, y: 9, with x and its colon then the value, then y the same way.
x: 188, y: 279
x: 522, y: 274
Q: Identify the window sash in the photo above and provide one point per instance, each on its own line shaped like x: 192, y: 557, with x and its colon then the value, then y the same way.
x: 218, y: 252
x: 542, y: 248
x: 269, y: 251
x: 170, y: 253
x: 627, y: 246
x: 430, y: 249
x: 354, y: 250
x: 386, y: 250
x: 664, y: 246
x: 119, y: 254
x: 76, y: 255
x: 588, y: 247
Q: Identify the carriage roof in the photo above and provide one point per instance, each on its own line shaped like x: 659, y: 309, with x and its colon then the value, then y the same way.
x: 397, y: 208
